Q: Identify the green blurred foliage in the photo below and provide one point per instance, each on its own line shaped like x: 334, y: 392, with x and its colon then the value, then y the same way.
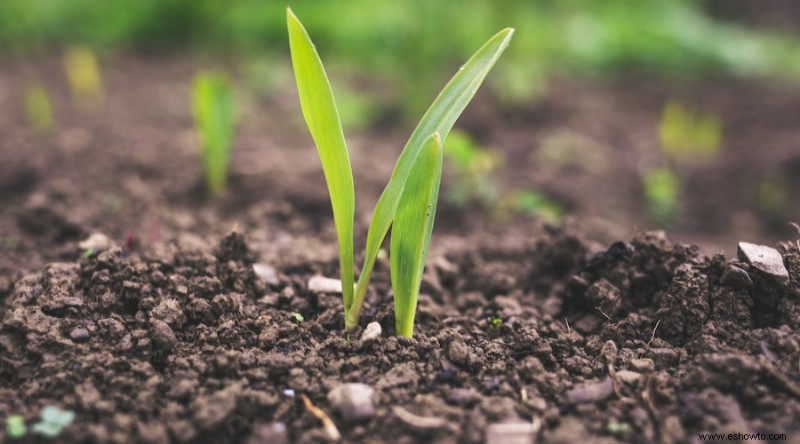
x: 414, y: 44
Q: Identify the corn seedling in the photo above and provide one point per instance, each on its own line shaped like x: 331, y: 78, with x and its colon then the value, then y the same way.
x: 215, y: 119
x: 38, y: 108
x: 83, y: 74
x: 408, y: 203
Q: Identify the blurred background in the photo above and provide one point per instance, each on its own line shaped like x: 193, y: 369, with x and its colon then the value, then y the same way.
x: 616, y: 115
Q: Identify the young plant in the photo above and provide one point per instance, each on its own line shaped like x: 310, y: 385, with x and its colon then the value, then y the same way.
x: 83, y: 74
x: 38, y: 108
x: 215, y: 119
x: 408, y: 203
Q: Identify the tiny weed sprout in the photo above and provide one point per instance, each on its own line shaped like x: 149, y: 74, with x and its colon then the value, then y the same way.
x: 15, y: 427
x: 53, y: 420
x: 215, y: 119
x: 408, y: 203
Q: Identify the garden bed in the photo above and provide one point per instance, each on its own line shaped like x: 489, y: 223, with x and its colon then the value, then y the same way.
x: 199, y: 324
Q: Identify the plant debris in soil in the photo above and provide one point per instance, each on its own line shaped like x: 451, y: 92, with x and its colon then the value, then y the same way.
x: 647, y: 341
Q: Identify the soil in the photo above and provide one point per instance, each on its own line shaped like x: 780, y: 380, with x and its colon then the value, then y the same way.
x: 592, y: 331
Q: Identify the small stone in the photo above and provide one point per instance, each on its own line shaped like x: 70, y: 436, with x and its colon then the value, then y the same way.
x: 79, y: 334
x: 275, y: 433
x: 591, y: 392
x: 421, y: 423
x: 734, y: 276
x: 322, y: 284
x: 511, y: 433
x: 353, y: 401
x: 371, y: 333
x: 664, y: 357
x: 458, y: 352
x: 267, y: 273
x: 162, y: 335
x: 462, y: 397
x: 96, y: 243
x: 643, y: 365
x: 765, y: 259
x: 628, y: 376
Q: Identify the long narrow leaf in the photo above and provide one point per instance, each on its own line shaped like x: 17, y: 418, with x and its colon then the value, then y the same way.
x: 322, y: 117
x: 411, y: 232
x: 439, y: 118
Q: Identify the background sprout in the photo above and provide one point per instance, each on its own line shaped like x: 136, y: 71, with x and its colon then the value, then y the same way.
x: 53, y: 420
x: 661, y: 189
x: 687, y: 134
x: 15, y: 426
x: 38, y: 108
x: 83, y: 74
x: 322, y: 118
x: 215, y: 119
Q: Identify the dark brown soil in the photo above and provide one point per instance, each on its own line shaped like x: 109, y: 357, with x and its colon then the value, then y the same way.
x: 172, y: 336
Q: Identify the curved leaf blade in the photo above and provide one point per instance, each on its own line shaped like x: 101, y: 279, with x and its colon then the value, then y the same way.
x: 411, y: 232
x: 440, y: 118
x: 322, y: 118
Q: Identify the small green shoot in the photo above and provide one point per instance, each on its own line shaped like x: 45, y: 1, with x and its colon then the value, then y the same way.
x: 83, y: 74
x: 38, y: 108
x: 215, y: 119
x: 15, y: 427
x: 685, y: 134
x: 53, y: 420
x: 496, y: 322
x: 298, y: 318
x: 537, y: 204
x: 474, y: 169
x: 417, y: 168
x: 662, y: 189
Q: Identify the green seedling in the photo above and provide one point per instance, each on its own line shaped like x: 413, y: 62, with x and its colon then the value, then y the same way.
x: 298, y: 318
x: 215, y: 120
x: 685, y: 134
x: 53, y: 420
x: 661, y: 189
x: 408, y: 203
x: 474, y: 169
x: 38, y: 108
x: 83, y: 74
x: 15, y: 427
x: 537, y: 204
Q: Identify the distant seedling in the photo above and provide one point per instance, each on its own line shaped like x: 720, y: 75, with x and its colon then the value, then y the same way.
x: 686, y: 134
x: 215, y: 120
x: 83, y: 74
x: 53, y: 420
x: 38, y: 108
x: 408, y: 203
x: 662, y: 189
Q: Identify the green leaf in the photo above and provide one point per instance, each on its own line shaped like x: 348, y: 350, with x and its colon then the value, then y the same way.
x: 322, y: 118
x: 411, y: 232
x: 439, y: 118
x: 214, y: 116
